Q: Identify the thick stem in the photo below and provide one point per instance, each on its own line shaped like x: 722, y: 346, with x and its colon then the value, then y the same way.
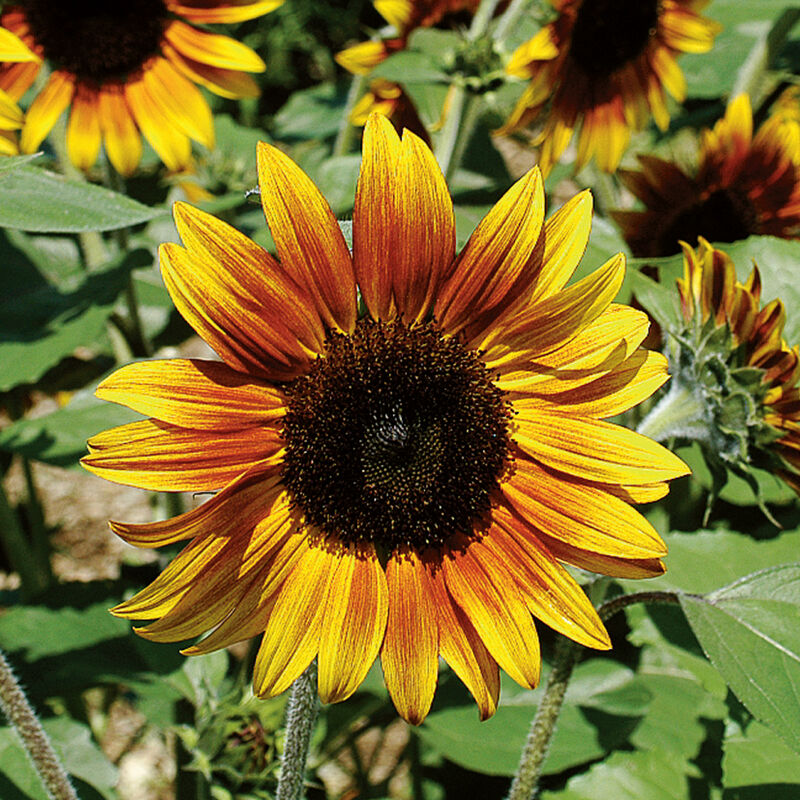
x: 678, y: 413
x: 17, y: 548
x: 611, y: 607
x: 509, y: 19
x: 18, y: 711
x: 346, y: 132
x: 544, y: 722
x: 301, y: 714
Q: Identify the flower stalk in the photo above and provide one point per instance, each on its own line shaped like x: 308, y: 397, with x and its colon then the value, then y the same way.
x: 678, y: 414
x: 16, y: 708
x: 301, y: 715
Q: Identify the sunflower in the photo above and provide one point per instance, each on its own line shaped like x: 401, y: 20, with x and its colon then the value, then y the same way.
x: 403, y: 482
x: 603, y: 65
x: 743, y: 185
x: 12, y: 48
x: 750, y: 396
x: 125, y: 68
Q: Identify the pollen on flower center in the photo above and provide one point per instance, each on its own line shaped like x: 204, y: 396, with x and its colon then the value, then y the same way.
x: 610, y: 33
x: 396, y: 436
x: 97, y: 40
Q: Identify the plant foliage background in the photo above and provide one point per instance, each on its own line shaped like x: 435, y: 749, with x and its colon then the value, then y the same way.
x: 700, y: 700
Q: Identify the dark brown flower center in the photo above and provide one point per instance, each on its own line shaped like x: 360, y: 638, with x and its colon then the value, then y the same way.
x: 97, y: 40
x: 723, y: 216
x: 396, y: 436
x: 611, y: 33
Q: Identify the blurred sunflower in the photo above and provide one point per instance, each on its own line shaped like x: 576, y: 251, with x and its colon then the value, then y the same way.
x: 125, y: 68
x: 749, y: 400
x: 11, y: 117
x: 388, y: 98
x: 402, y: 483
x: 744, y: 185
x: 603, y: 65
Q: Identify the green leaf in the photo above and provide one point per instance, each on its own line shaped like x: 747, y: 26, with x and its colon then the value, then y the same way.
x: 314, y: 113
x: 60, y: 438
x: 14, y: 162
x: 39, y: 324
x: 33, y: 199
x: 410, y: 66
x: 660, y: 301
x: 751, y: 633
x: 336, y: 178
x: 94, y: 776
x: 603, y: 705
x: 628, y: 776
x: 756, y: 755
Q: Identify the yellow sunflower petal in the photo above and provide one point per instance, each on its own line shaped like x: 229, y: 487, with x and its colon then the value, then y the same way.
x: 11, y: 116
x: 409, y: 654
x: 395, y: 12
x: 12, y: 48
x: 354, y: 624
x: 309, y: 242
x: 461, y: 647
x: 291, y: 639
x: 83, y: 129
x: 362, y: 57
x: 46, y: 109
x: 229, y: 83
x: 541, y: 47
x: 194, y: 394
x: 120, y: 135
x: 223, y: 12
x: 212, y: 48
x: 155, y: 455
x: 497, y: 610
x: 595, y: 450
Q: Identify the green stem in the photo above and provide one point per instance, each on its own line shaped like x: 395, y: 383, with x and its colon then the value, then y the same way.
x: 483, y: 16
x: 301, y: 714
x: 544, y: 722
x: 347, y: 131
x: 17, y: 548
x: 611, y: 607
x: 678, y: 413
x: 509, y: 19
x: 38, y: 528
x: 15, y: 706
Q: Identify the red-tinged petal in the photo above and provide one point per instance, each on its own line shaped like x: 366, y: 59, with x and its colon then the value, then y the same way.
x: 618, y: 390
x: 354, y: 623
x: 222, y: 12
x: 595, y: 450
x: 461, y: 647
x: 579, y: 514
x: 491, y: 272
x: 230, y: 320
x: 229, y: 83
x: 291, y: 639
x: 156, y: 455
x: 497, y: 610
x: 551, y: 323
x: 309, y: 242
x: 375, y: 216
x: 410, y: 651
x: 46, y: 109
x: 207, y: 395
x: 550, y: 592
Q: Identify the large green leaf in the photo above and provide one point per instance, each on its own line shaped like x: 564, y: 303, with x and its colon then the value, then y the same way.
x: 40, y: 323
x: 60, y: 438
x: 33, y: 199
x: 604, y: 703
x: 750, y: 631
x: 314, y: 113
x: 755, y: 755
x: 628, y: 776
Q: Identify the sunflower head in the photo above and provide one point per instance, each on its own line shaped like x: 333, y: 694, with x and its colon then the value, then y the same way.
x: 405, y: 443
x: 730, y: 355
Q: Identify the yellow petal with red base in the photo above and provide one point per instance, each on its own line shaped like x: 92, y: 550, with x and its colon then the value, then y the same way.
x: 121, y: 137
x: 155, y: 455
x: 204, y: 14
x: 46, y: 108
x: 309, y: 242
x: 194, y: 394
x: 212, y: 49
x: 354, y: 623
x: 230, y: 83
x: 409, y: 655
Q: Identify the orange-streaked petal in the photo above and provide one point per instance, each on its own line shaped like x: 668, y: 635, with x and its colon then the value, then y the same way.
x: 206, y: 395
x: 291, y: 639
x: 580, y: 514
x: 497, y: 610
x: 230, y: 83
x: 462, y: 648
x: 595, y: 450
x: 309, y: 242
x: 354, y: 623
x: 222, y: 12
x: 410, y: 651
x: 46, y: 108
x: 155, y: 455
